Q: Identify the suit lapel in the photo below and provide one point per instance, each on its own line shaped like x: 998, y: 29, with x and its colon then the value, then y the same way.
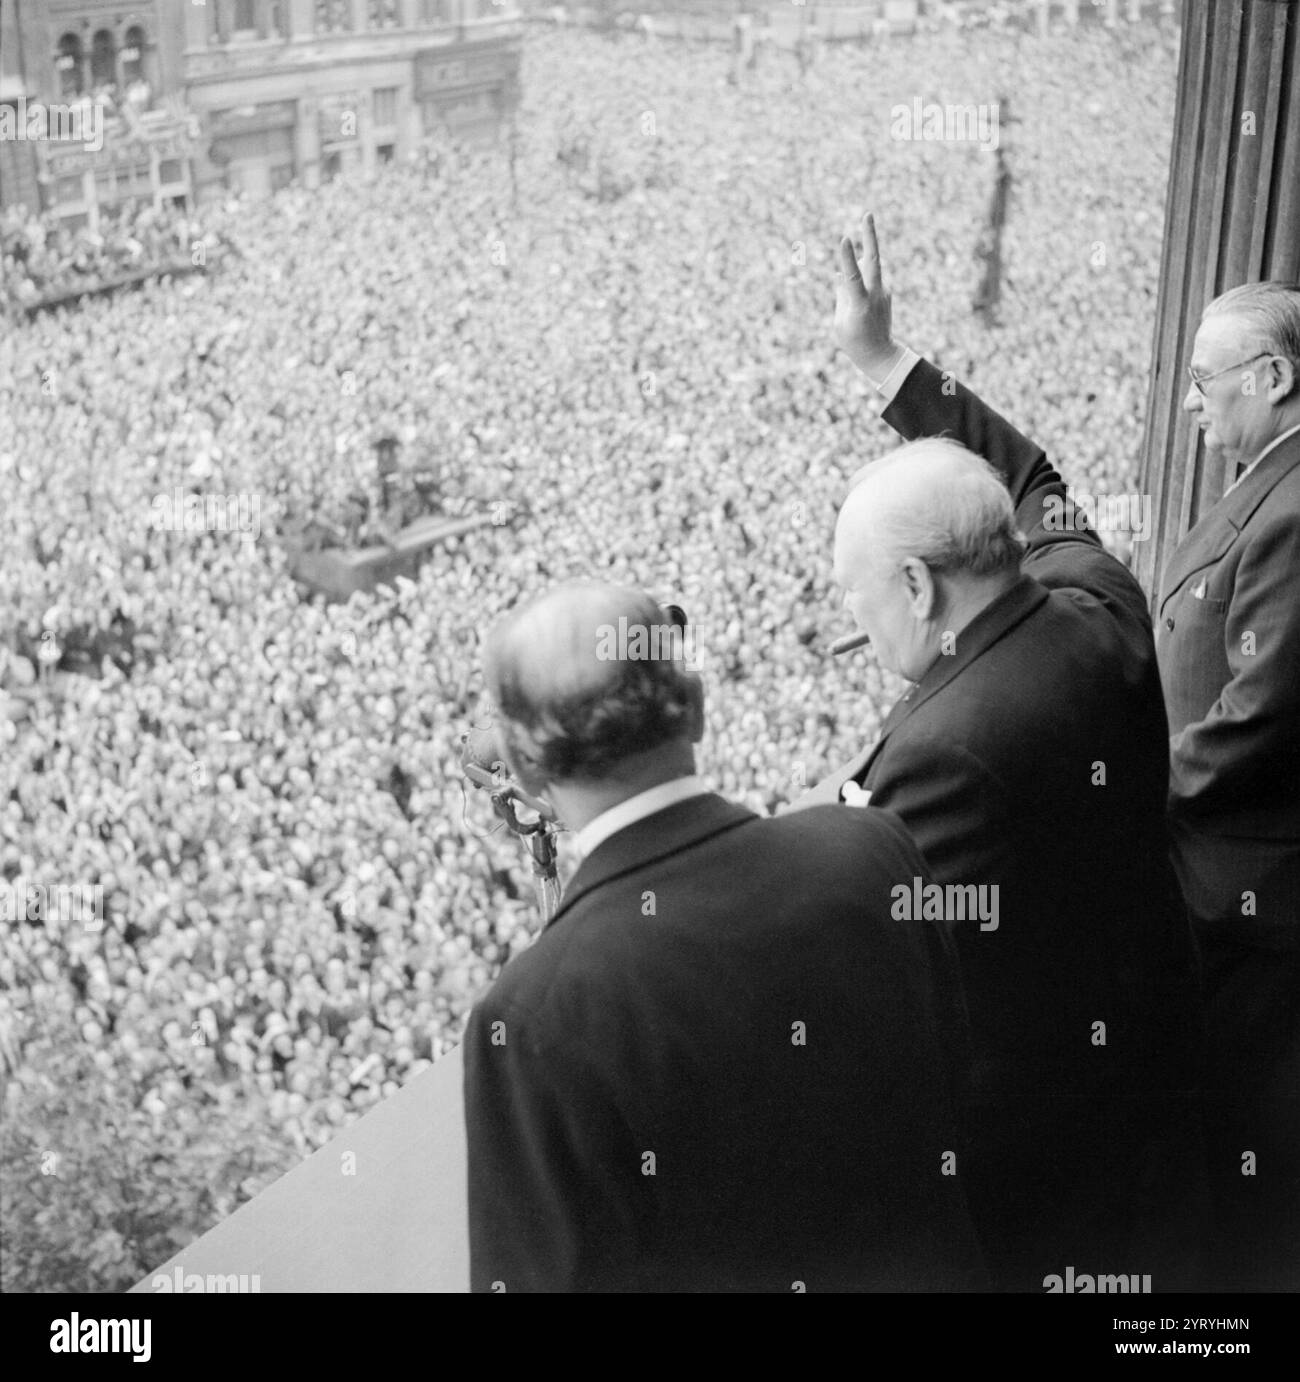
x: 1218, y: 529
x: 1008, y: 610
x: 650, y: 839
x: 988, y: 626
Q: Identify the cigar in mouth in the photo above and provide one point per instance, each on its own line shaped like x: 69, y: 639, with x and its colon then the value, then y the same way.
x: 849, y: 642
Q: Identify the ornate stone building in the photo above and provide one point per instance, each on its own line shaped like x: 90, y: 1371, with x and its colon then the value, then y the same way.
x: 93, y: 121
x: 313, y: 88
x: 201, y: 96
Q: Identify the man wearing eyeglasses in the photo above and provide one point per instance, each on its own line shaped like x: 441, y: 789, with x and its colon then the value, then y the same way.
x: 1228, y: 643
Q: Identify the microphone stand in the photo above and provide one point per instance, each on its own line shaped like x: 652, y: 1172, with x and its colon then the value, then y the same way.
x: 537, y: 836
x: 539, y: 839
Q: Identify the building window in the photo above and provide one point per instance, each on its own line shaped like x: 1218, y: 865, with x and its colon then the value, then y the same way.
x: 384, y: 152
x: 386, y: 107
x: 436, y: 11
x: 103, y: 59
x: 133, y: 56
x: 245, y: 16
x: 69, y: 64
x: 333, y: 16
x: 433, y: 119
x: 382, y: 14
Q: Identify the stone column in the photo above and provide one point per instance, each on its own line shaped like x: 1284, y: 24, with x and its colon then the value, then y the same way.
x: 1232, y: 216
x: 198, y: 25
x: 301, y: 15
x: 306, y: 138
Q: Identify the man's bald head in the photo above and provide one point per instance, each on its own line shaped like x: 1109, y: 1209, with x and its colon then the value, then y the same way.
x: 935, y: 500
x: 575, y: 704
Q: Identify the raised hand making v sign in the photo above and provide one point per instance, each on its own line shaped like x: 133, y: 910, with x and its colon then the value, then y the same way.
x: 863, y: 309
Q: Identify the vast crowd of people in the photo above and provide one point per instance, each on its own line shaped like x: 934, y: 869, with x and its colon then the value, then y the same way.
x: 44, y: 259
x: 613, y: 333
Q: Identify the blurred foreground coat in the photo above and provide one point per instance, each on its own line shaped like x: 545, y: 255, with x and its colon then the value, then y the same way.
x: 723, y: 1066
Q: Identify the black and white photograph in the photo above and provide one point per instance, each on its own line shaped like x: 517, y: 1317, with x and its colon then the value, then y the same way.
x: 650, y: 647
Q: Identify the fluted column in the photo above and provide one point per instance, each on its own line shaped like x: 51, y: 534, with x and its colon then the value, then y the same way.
x: 1232, y: 216
x: 198, y: 26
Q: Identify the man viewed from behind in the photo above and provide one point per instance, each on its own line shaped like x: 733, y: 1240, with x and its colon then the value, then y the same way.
x: 724, y: 1064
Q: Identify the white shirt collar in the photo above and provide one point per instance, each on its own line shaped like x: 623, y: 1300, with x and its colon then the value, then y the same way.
x: 636, y: 808
x: 1276, y: 442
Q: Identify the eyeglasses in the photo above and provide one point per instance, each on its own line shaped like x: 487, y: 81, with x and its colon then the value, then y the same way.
x: 1199, y: 381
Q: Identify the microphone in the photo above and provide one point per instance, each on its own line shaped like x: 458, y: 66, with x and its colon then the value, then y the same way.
x: 483, y: 761
x: 849, y: 642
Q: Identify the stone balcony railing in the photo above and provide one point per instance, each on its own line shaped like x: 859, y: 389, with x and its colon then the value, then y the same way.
x: 381, y: 1208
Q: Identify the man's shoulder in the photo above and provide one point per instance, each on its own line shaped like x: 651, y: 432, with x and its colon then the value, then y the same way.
x: 1278, y: 510
x: 1265, y: 502
x: 1094, y: 589
x: 1042, y: 686
x: 826, y: 828
x: 818, y: 851
x: 827, y: 872
x: 761, y: 850
x: 803, y: 849
x: 528, y: 993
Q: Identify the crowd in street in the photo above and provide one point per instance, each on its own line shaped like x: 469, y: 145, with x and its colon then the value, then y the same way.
x: 612, y: 332
x: 43, y: 257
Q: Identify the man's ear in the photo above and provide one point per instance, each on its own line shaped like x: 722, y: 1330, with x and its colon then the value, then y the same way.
x: 921, y: 588
x: 1282, y: 379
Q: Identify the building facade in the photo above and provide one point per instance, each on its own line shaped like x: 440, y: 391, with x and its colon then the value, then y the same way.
x: 309, y: 89
x: 189, y: 98
x: 91, y: 115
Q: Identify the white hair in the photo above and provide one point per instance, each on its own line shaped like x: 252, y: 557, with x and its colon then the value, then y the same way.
x: 954, y: 512
x: 1269, y: 311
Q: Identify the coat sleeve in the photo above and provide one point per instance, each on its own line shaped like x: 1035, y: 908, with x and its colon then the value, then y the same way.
x: 1063, y: 551
x: 553, y: 1174
x: 1249, y: 736
x: 953, y: 805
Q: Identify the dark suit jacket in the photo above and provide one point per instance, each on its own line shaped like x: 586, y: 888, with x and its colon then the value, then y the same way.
x: 1228, y: 636
x: 1035, y: 758
x: 722, y: 1066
